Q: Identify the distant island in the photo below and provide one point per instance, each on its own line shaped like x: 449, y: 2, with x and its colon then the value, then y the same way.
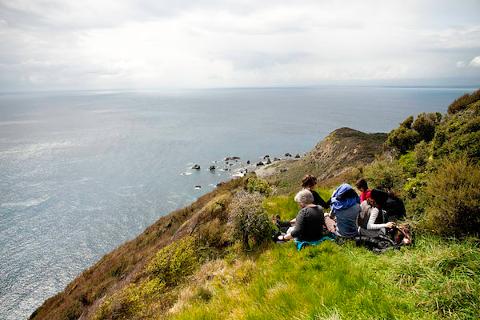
x: 192, y: 264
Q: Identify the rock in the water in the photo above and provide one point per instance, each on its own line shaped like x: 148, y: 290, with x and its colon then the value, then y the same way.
x: 212, y: 168
x: 268, y: 161
x: 232, y: 158
x: 288, y: 154
x: 266, y: 157
x: 196, y: 167
x: 198, y: 187
x: 248, y: 161
x: 276, y: 159
x: 260, y: 164
x: 297, y: 156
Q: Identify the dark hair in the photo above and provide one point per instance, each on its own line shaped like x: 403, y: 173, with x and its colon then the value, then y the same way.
x: 361, y: 184
x: 379, y: 196
x: 309, y: 181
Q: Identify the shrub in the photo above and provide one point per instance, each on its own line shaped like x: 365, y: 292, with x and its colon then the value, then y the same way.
x: 408, y: 163
x: 453, y: 193
x: 131, y: 302
x: 254, y: 184
x: 413, y: 186
x: 407, y: 123
x: 425, y: 125
x: 172, y: 263
x: 384, y: 174
x: 211, y: 234
x: 249, y: 220
x: 459, y: 136
x: 422, y: 153
x: 463, y: 102
x: 403, y: 139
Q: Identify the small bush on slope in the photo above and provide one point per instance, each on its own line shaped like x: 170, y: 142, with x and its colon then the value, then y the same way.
x: 251, y: 224
x: 170, y: 266
x: 453, y: 193
x: 254, y: 184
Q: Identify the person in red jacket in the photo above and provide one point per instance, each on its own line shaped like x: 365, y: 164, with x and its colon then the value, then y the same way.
x: 362, y: 186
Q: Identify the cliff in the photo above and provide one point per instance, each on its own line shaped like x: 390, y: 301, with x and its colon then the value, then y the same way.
x: 341, y: 151
x: 213, y: 260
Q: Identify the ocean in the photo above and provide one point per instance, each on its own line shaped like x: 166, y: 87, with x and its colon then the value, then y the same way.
x: 82, y: 172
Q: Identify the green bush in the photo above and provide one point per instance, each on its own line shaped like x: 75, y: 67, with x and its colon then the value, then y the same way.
x: 131, y: 302
x: 403, y: 139
x: 463, y: 102
x: 385, y: 174
x: 249, y: 220
x: 422, y: 153
x: 407, y: 123
x: 254, y: 184
x: 453, y: 193
x: 459, y: 136
x: 408, y: 162
x: 414, y: 186
x: 425, y: 124
x: 177, y: 260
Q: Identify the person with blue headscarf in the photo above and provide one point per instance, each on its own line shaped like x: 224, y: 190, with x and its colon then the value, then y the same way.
x: 345, y: 209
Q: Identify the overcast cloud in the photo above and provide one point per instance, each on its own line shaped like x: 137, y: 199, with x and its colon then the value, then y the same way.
x: 100, y: 44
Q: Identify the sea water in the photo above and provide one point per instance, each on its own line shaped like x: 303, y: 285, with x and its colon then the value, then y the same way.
x: 82, y: 172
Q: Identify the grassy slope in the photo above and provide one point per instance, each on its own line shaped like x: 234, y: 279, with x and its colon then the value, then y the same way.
x: 435, y: 279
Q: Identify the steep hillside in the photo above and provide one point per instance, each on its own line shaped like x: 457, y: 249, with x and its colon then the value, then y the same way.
x: 340, y: 151
x: 334, y: 159
x: 123, y: 265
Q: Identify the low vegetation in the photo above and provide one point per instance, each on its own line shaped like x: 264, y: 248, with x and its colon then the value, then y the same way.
x: 213, y: 260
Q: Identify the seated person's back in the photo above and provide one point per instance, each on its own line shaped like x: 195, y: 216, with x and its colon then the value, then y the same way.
x: 309, y: 224
x: 346, y: 207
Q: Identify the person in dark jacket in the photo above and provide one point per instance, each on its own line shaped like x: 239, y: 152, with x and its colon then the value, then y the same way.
x: 309, y: 222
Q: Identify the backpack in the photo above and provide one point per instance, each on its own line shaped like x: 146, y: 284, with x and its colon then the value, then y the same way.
x: 394, y: 239
x: 394, y: 208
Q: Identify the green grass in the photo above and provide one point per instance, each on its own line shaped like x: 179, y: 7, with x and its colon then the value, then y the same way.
x: 286, y: 207
x: 437, y: 279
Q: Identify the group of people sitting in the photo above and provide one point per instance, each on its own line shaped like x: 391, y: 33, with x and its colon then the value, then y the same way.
x: 372, y: 214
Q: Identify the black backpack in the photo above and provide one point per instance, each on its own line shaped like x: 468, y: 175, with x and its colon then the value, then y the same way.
x: 394, y: 208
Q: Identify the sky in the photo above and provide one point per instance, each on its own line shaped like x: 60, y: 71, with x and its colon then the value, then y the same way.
x: 147, y: 44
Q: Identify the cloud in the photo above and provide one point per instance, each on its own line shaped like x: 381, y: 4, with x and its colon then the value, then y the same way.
x: 475, y: 62
x: 204, y: 43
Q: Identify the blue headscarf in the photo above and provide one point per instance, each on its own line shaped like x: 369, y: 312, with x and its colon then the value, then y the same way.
x: 338, y: 202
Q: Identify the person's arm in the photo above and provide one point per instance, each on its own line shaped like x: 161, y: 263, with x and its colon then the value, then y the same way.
x: 322, y: 203
x: 371, y: 221
x: 318, y: 200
